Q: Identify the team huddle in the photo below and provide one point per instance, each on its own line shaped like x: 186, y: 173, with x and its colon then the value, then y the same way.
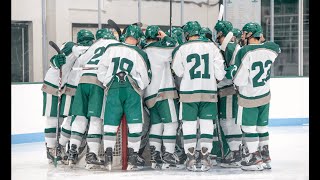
x: 207, y: 95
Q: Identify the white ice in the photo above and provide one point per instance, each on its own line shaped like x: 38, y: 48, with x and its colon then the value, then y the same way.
x: 289, y: 151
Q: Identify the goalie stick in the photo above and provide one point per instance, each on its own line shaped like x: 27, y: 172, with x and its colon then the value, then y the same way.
x: 54, y: 45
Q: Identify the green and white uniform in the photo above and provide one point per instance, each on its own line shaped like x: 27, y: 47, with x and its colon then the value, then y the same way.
x: 88, y: 100
x: 227, y: 103
x: 161, y: 95
x: 199, y: 63
x: 50, y: 91
x: 124, y: 96
x: 254, y: 70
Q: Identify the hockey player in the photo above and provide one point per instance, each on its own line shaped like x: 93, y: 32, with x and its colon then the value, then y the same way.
x: 71, y: 52
x: 88, y: 102
x: 161, y: 99
x: 176, y: 34
x: 236, y: 35
x: 227, y: 103
x: 253, y: 70
x: 206, y: 33
x: 125, y: 71
x: 200, y: 64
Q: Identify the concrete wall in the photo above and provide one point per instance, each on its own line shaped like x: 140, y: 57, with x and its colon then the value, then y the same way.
x: 289, y: 105
x: 60, y: 14
x: 30, y: 10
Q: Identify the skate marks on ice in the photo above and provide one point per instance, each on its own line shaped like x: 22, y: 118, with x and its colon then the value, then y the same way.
x: 289, y: 150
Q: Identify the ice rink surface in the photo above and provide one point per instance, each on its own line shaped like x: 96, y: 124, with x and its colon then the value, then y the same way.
x: 289, y: 151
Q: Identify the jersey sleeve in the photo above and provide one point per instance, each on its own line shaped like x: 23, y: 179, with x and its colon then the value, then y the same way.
x: 218, y: 64
x: 242, y: 74
x: 144, y: 70
x: 177, y: 63
x: 103, y: 66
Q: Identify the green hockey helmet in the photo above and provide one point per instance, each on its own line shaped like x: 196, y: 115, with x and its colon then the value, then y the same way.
x: 176, y: 33
x: 253, y: 28
x: 121, y: 38
x: 237, y: 33
x: 133, y: 31
x: 142, y: 42
x: 224, y: 27
x: 85, y: 37
x: 105, y: 33
x: 152, y: 32
x: 206, y: 33
x: 191, y: 28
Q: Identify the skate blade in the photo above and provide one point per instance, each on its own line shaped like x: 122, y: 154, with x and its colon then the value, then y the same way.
x: 266, y: 165
x: 231, y: 165
x: 93, y: 167
x: 204, y: 168
x: 71, y: 164
x: 252, y: 168
x: 134, y: 168
x: 192, y: 168
x: 156, y: 166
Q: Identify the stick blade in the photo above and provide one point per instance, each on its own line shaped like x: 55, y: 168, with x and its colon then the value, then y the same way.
x: 114, y: 26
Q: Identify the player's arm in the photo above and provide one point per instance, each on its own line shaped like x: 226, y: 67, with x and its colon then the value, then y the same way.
x: 241, y: 76
x: 103, y: 66
x: 166, y: 41
x: 177, y: 64
x: 218, y: 64
x: 144, y: 70
x: 58, y: 60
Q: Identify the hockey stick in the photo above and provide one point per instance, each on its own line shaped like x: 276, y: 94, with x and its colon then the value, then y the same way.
x: 54, y: 45
x: 170, y: 18
x: 218, y: 119
x: 114, y: 26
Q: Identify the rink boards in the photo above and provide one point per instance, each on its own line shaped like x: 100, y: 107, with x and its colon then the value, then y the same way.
x: 289, y: 107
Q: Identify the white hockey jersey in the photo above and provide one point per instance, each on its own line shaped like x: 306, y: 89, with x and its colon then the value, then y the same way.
x: 88, y: 61
x: 254, y: 70
x: 200, y: 64
x: 162, y: 85
x: 51, y: 80
x: 121, y: 57
x: 225, y: 86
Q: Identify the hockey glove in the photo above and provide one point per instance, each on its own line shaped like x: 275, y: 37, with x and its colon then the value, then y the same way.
x: 231, y: 71
x: 58, y: 60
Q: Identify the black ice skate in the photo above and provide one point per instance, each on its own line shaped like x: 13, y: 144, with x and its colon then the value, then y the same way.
x: 232, y: 160
x: 108, y: 158
x: 252, y: 162
x: 135, y: 162
x: 170, y: 160
x: 156, y: 161
x: 181, y: 154
x: 264, y: 150
x: 191, y: 160
x: 83, y: 149
x: 204, y: 159
x: 62, y: 155
x: 73, y: 155
x: 50, y: 154
x: 93, y: 162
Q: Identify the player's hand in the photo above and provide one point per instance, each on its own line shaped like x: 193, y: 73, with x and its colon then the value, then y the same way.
x: 231, y: 71
x: 58, y: 60
x: 161, y: 34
